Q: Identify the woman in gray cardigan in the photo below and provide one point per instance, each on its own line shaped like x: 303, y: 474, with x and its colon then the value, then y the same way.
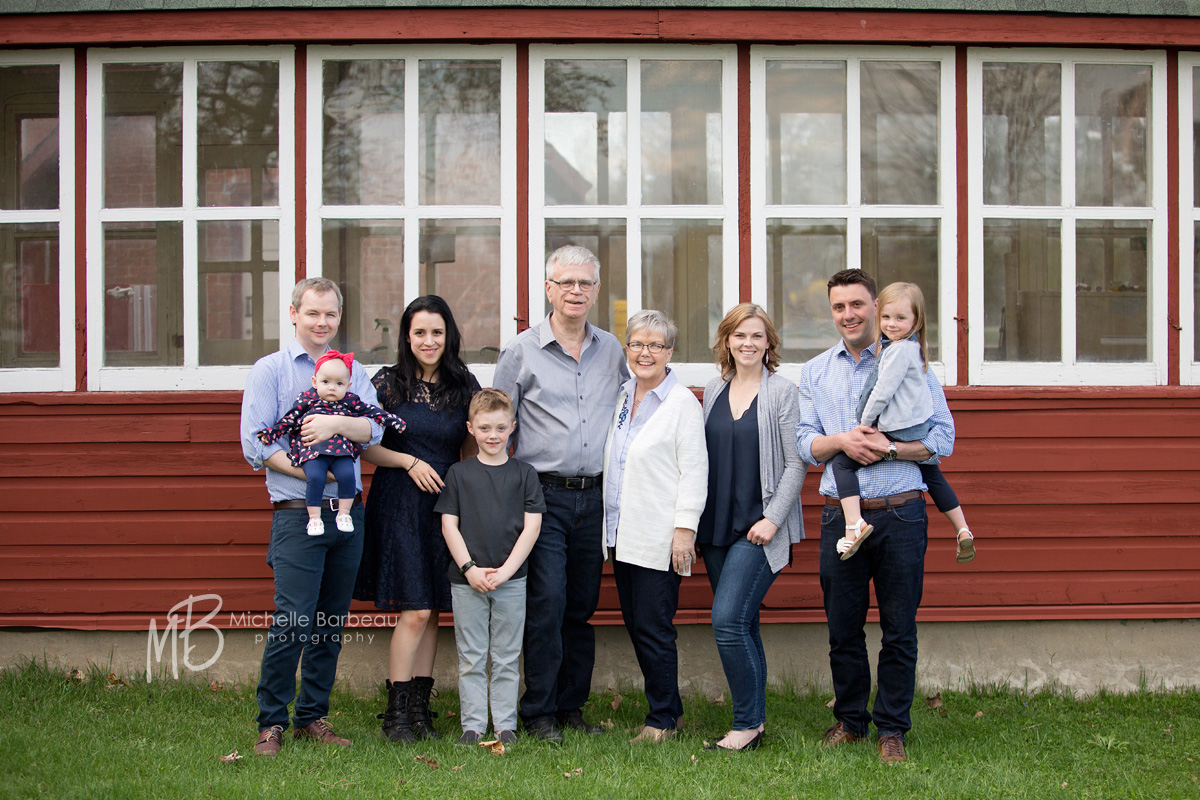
x: 752, y: 517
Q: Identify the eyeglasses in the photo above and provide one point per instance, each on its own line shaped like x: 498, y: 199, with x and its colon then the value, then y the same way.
x: 583, y: 286
x: 653, y: 347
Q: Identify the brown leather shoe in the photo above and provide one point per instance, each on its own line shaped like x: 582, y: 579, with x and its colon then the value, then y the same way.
x: 891, y: 749
x: 653, y: 735
x: 270, y: 741
x: 321, y: 731
x: 837, y: 735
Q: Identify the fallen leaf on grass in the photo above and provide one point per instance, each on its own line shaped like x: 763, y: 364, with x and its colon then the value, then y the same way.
x: 216, y: 686
x: 113, y: 682
x: 831, y: 703
x: 719, y: 700
x: 431, y: 762
x: 230, y: 758
x: 978, y: 714
x: 494, y: 746
x: 575, y: 773
x: 693, y: 758
x: 1064, y: 784
x: 79, y: 675
x: 934, y: 702
x: 1031, y: 727
x: 616, y: 702
x: 607, y: 724
x: 456, y: 769
x: 450, y: 714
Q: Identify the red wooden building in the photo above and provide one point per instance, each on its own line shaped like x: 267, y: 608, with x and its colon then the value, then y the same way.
x: 166, y: 176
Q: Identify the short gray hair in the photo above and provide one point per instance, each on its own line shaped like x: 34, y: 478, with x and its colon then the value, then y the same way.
x: 318, y: 285
x: 654, y: 322
x: 572, y: 255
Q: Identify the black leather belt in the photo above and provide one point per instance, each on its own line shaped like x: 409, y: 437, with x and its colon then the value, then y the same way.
x: 563, y: 482
x: 326, y: 502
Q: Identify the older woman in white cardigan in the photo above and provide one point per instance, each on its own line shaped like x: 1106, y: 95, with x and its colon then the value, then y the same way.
x: 655, y: 481
x: 752, y: 518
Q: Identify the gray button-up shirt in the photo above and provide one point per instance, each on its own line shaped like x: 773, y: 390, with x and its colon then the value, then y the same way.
x: 563, y: 406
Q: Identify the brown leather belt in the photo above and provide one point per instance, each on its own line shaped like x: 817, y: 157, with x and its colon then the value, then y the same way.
x: 326, y: 502
x: 870, y: 503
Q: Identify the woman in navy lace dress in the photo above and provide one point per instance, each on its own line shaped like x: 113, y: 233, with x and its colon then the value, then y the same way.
x: 405, y: 558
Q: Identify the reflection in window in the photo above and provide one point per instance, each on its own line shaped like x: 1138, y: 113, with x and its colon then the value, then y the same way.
x: 900, y: 132
x: 459, y: 132
x: 586, y: 127
x: 1022, y: 292
x: 239, y: 297
x: 801, y: 255
x: 1022, y: 134
x: 366, y: 260
x: 1110, y: 291
x: 607, y: 239
x: 29, y: 147
x: 143, y: 295
x: 29, y: 295
x: 906, y: 250
x: 460, y: 261
x: 681, y: 133
x: 1111, y: 150
x: 143, y: 135
x: 237, y: 108
x: 806, y: 132
x: 681, y: 276
x: 363, y: 159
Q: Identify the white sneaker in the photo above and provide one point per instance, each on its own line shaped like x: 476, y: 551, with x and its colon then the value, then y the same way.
x: 315, y: 527
x: 344, y: 523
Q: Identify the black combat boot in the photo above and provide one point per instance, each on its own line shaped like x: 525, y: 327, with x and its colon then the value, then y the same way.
x: 418, y: 708
x: 397, y: 724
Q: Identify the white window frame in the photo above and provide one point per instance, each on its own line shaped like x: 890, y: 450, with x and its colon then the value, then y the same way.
x: 633, y: 212
x: 191, y: 375
x: 1068, y: 372
x: 411, y: 212
x: 854, y: 211
x: 1189, y: 215
x: 62, y: 377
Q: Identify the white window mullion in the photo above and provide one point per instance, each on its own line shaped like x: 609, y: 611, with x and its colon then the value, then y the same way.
x: 1067, y: 296
x: 1187, y: 220
x: 508, y: 196
x: 759, y: 147
x: 94, y: 245
x: 633, y: 209
x: 1157, y: 270
x: 190, y: 268
x: 314, y: 191
x: 853, y: 137
x: 535, y: 279
x: 1068, y: 291
x: 730, y: 185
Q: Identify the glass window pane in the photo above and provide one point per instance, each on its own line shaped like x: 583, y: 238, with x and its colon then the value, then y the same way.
x: 366, y: 259
x: 460, y: 261
x: 1022, y: 134
x: 1111, y: 123
x: 681, y: 276
x: 1022, y: 290
x: 906, y: 250
x: 586, y: 148
x: 143, y: 295
x: 806, y: 132
x: 363, y: 107
x: 681, y: 133
x: 143, y: 135
x: 239, y: 290
x: 29, y: 295
x: 801, y: 255
x: 1196, y: 141
x: 607, y: 239
x: 29, y: 137
x: 237, y: 127
x: 1110, y: 291
x: 900, y: 132
x: 460, y: 132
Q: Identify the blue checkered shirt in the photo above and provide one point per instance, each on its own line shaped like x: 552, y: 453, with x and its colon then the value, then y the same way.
x: 830, y: 386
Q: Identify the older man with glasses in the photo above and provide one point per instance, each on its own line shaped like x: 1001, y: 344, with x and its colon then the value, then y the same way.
x: 563, y: 375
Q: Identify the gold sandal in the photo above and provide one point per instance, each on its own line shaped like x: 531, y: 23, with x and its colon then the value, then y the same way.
x: 966, y: 547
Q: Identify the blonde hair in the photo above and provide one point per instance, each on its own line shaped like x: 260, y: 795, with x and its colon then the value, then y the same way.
x: 736, y: 316
x: 895, y: 293
x: 486, y: 401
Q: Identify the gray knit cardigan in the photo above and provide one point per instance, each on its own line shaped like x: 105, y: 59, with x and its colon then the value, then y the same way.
x: 779, y: 466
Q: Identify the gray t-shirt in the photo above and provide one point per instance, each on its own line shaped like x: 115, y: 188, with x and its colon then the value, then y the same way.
x: 490, y: 503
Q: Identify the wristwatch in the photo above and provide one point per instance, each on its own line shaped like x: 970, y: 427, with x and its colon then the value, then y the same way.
x: 890, y: 455
x: 463, y: 569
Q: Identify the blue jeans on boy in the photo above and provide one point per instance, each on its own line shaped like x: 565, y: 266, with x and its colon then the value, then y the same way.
x: 893, y: 557
x: 563, y: 588
x: 315, y: 470
x: 740, y: 577
x: 314, y: 578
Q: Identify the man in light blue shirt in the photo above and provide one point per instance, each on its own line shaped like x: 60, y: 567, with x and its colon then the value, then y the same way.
x: 314, y: 575
x: 893, y: 558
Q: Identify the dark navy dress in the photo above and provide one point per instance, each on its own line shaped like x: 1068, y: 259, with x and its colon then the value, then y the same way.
x: 405, y: 558
x: 734, y: 485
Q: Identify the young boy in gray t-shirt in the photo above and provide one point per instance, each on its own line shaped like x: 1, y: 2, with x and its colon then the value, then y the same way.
x: 491, y: 509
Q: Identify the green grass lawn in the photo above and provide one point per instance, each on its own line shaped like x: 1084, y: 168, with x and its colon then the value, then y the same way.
x: 66, y: 738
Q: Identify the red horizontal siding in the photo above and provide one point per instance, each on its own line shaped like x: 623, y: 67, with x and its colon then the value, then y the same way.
x: 121, y: 506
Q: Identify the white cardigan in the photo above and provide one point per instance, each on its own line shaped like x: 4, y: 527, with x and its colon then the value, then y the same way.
x: 665, y: 484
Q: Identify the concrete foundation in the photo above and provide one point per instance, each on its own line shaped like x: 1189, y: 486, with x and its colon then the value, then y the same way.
x: 1080, y: 656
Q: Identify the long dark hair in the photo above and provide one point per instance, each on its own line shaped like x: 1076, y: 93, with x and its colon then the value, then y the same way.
x: 454, y: 379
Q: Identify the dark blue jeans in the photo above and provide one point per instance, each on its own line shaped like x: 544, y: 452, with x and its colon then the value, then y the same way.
x: 314, y: 577
x: 563, y: 589
x: 315, y: 470
x: 649, y: 600
x: 740, y: 577
x: 894, y: 559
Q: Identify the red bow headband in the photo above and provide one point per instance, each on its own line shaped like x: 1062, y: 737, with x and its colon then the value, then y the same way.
x: 347, y: 358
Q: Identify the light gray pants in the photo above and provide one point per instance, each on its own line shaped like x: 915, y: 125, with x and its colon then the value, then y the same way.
x: 496, y: 619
